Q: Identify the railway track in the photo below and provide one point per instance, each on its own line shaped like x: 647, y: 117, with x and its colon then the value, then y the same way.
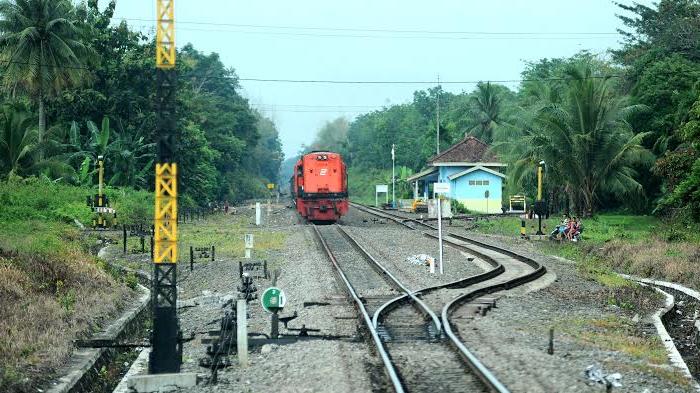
x: 479, y: 286
x: 408, y: 335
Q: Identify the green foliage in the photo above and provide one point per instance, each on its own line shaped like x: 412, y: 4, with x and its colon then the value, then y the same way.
x: 458, y: 207
x: 104, y: 71
x: 18, y: 140
x: 131, y: 280
x: 584, y: 137
x: 35, y: 199
x: 42, y: 43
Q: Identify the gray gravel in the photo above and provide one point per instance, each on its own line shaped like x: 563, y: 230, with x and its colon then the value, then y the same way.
x: 522, y: 322
x: 391, y: 244
x: 310, y: 366
x: 511, y: 339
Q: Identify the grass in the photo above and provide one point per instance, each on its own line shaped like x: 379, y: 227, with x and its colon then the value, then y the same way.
x: 227, y: 234
x: 52, y: 290
x: 639, y: 245
x: 616, y: 333
x: 621, y: 334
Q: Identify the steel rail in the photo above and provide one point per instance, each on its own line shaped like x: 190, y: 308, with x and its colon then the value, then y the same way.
x: 407, y: 292
x: 472, y: 361
x: 388, y: 365
x: 497, y: 270
x: 482, y: 371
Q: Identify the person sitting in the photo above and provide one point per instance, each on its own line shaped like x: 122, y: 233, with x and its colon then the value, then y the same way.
x: 578, y: 228
x: 571, y: 229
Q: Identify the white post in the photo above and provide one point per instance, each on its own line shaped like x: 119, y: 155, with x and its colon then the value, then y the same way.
x: 248, y: 245
x: 439, y: 214
x: 393, y: 177
x: 431, y: 262
x: 269, y: 205
x: 257, y: 213
x: 242, y: 332
x: 376, y: 198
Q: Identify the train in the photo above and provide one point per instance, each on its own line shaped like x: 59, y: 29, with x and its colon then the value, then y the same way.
x: 319, y: 186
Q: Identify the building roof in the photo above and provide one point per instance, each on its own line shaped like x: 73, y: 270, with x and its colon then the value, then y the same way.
x: 469, y: 149
x: 422, y: 174
x: 474, y: 169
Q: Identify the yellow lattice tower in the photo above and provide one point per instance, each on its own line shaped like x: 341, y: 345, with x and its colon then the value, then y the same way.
x: 165, y: 34
x: 166, y: 346
x: 165, y: 237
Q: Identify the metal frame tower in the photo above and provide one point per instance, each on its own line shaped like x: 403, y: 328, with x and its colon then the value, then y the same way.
x: 166, y: 353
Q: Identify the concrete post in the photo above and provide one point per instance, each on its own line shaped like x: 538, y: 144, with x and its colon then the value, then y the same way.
x: 257, y: 213
x: 242, y: 333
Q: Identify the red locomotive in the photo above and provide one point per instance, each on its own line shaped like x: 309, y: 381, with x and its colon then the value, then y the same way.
x: 319, y: 186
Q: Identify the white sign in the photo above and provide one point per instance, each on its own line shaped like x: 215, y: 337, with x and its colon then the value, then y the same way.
x: 382, y: 188
x: 249, y: 240
x: 441, y: 188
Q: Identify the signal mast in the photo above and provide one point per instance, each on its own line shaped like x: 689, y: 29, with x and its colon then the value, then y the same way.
x: 166, y: 353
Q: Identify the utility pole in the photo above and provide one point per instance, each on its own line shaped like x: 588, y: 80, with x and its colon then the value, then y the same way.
x: 393, y: 176
x: 166, y: 343
x: 438, y: 115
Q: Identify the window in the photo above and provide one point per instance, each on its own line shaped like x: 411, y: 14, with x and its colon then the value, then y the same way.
x: 472, y: 182
x: 486, y: 182
x: 478, y: 182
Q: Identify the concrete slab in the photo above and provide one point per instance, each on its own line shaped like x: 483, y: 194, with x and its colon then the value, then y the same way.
x: 157, y: 383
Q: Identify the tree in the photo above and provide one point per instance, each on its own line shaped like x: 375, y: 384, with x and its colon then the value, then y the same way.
x: 131, y: 158
x: 42, y: 47
x: 586, y: 141
x: 487, y: 112
x: 18, y: 139
x: 683, y: 166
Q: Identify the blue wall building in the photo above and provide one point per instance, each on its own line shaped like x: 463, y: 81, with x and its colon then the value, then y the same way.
x: 473, y: 172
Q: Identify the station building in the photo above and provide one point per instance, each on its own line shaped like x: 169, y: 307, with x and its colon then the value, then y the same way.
x: 474, y: 174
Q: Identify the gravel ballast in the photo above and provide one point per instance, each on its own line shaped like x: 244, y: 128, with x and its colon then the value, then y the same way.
x: 511, y: 339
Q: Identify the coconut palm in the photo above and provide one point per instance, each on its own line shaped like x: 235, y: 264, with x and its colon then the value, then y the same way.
x: 486, y: 112
x: 41, y: 49
x: 586, y: 141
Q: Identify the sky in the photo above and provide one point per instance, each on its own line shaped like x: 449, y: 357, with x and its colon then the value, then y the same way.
x: 375, y: 40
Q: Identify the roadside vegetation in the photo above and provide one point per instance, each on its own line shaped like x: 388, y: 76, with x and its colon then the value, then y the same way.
x: 52, y: 287
x: 648, y: 246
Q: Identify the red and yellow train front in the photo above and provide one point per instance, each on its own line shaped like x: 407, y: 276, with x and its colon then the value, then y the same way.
x: 321, y: 187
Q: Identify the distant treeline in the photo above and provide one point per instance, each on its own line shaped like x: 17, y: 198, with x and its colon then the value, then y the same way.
x: 90, y: 90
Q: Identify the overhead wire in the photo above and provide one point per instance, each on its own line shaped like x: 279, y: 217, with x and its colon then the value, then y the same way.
x: 374, y: 30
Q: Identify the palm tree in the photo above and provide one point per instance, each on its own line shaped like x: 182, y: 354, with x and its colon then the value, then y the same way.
x: 486, y: 112
x: 18, y: 139
x: 41, y: 49
x: 586, y: 141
